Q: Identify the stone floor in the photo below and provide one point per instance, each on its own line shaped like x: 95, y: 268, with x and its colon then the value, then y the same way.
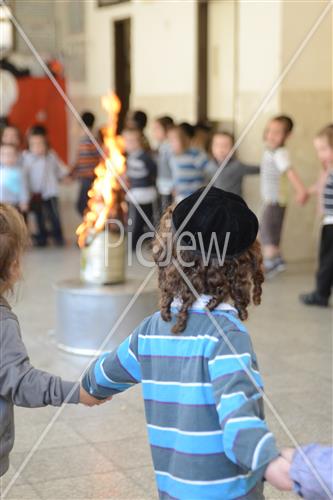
x: 102, y: 452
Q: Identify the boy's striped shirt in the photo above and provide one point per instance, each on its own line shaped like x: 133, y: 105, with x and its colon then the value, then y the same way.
x: 205, y: 420
x: 188, y: 172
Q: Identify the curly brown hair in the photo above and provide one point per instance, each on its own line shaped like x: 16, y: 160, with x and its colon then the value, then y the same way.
x: 13, y: 241
x: 239, y: 280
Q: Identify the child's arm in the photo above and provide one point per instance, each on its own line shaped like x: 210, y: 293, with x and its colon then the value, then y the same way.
x: 296, y: 182
x: 251, y: 169
x: 20, y: 382
x: 114, y: 372
x: 246, y: 438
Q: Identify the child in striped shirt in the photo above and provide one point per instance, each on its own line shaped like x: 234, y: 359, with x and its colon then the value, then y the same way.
x: 188, y: 164
x: 194, y: 358
x: 324, y: 188
x: 276, y: 173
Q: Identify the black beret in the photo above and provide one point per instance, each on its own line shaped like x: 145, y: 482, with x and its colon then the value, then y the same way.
x: 219, y: 212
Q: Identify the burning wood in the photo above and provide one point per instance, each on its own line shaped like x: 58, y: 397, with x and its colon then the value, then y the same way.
x: 106, y: 196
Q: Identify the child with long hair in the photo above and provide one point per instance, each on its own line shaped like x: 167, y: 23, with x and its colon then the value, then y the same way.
x: 20, y: 383
x: 194, y: 357
x: 324, y: 189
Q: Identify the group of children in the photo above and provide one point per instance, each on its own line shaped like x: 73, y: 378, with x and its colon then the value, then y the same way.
x: 29, y: 180
x: 185, y: 158
x: 194, y: 357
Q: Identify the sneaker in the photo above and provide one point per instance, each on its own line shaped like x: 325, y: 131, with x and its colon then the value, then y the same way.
x: 271, y: 267
x: 313, y: 299
x: 281, y: 264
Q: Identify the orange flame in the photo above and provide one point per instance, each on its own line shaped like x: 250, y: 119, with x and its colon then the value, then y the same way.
x: 104, y: 192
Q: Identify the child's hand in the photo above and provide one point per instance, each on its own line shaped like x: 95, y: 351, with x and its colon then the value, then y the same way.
x: 277, y: 474
x: 302, y: 197
x: 88, y: 400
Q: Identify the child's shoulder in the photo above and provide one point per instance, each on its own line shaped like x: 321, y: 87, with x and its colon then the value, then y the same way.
x: 7, y: 318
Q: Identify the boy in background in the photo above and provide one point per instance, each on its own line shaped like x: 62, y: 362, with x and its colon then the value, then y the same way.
x: 88, y: 158
x: 141, y: 171
x: 44, y: 170
x: 188, y: 165
x: 13, y: 183
x: 324, y: 189
x: 276, y: 173
x: 232, y: 175
x: 161, y: 127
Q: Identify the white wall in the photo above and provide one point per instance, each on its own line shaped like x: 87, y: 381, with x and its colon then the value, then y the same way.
x: 163, y: 55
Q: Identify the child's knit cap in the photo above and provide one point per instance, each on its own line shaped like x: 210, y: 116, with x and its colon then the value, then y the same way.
x: 220, y: 212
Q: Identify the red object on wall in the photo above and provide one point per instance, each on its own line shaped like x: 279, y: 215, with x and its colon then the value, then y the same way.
x: 40, y: 102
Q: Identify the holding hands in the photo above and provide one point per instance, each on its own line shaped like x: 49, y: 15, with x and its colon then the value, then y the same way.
x: 88, y: 400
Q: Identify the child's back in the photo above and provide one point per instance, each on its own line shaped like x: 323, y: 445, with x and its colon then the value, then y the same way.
x: 183, y: 379
x: 199, y: 374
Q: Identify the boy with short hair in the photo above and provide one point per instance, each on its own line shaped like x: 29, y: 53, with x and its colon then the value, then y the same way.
x: 188, y: 165
x: 141, y: 171
x: 87, y: 160
x: 276, y: 172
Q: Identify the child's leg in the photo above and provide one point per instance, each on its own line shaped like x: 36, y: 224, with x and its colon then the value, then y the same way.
x: 85, y: 185
x: 137, y: 225
x: 51, y: 207
x: 38, y: 211
x: 270, y: 235
x: 324, y: 277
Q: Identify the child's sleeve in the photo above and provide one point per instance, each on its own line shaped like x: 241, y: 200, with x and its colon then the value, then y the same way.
x: 20, y: 382
x: 246, y: 437
x: 61, y: 169
x: 114, y: 372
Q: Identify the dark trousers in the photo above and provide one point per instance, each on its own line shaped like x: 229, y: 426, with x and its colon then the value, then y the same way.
x: 325, y: 270
x: 136, y: 223
x: 82, y: 201
x: 47, y: 214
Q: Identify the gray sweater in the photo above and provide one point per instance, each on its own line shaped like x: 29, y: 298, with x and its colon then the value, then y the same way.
x: 21, y: 384
x: 232, y: 175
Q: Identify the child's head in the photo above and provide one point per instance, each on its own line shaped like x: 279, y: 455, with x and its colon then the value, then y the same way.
x: 161, y: 127
x: 179, y: 139
x: 221, y: 220
x: 202, y: 135
x: 88, y: 119
x: 133, y: 140
x: 277, y: 131
x: 323, y: 144
x: 37, y: 140
x: 11, y: 135
x: 13, y: 240
x: 8, y: 155
x: 136, y: 119
x: 222, y: 144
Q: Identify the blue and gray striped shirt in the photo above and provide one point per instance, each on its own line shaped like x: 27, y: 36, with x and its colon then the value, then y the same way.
x: 205, y: 419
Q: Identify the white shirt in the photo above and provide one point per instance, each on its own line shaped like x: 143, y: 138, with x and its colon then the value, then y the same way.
x: 43, y: 173
x: 274, y: 166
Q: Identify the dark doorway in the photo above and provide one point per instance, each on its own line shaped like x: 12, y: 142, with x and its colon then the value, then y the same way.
x: 202, y: 64
x: 122, y: 66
